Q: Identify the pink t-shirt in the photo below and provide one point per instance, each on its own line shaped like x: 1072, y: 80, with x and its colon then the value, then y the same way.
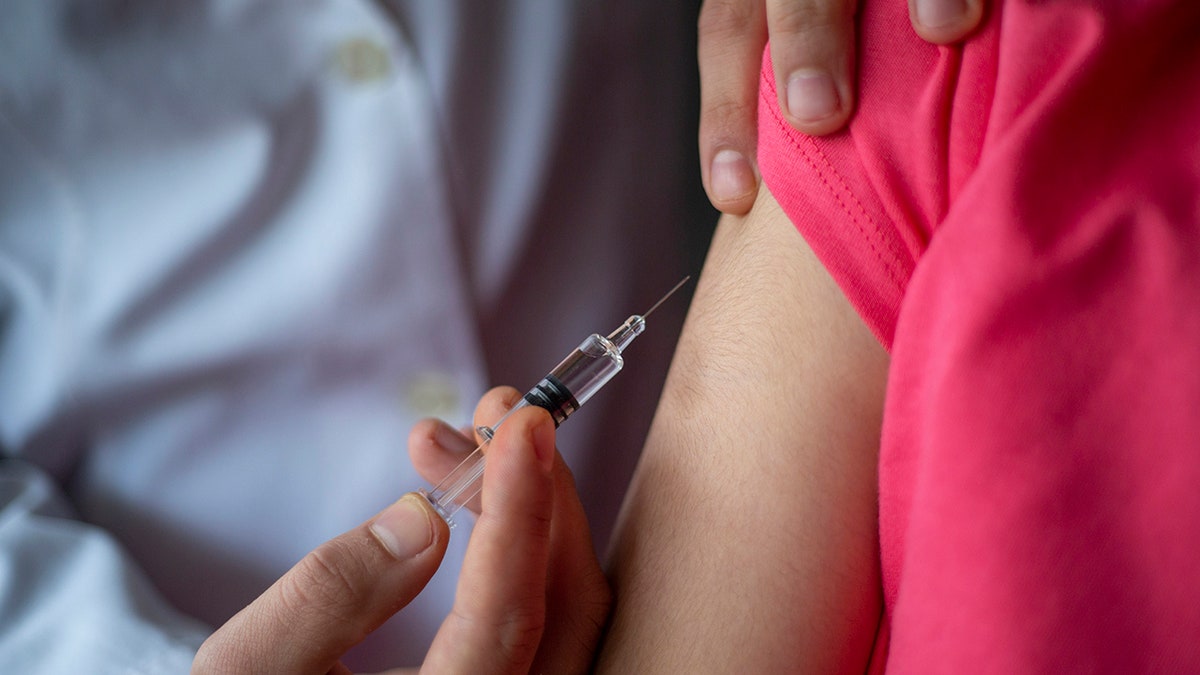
x: 1018, y: 221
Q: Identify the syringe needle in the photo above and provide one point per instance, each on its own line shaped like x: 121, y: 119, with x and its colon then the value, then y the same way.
x: 561, y: 393
x: 664, y: 298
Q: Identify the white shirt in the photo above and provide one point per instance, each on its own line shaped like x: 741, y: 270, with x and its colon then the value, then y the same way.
x: 245, y: 245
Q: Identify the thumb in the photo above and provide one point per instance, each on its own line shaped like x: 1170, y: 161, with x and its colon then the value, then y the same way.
x: 333, y: 597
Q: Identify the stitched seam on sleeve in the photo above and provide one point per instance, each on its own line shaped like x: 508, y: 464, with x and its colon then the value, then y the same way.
x: 891, y: 263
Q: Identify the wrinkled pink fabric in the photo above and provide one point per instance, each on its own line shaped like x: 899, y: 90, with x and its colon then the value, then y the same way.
x: 1018, y: 222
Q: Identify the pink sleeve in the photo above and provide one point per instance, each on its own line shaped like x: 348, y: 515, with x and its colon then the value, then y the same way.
x: 1018, y: 221
x: 867, y: 200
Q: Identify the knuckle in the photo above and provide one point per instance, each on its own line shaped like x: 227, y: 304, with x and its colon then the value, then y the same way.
x: 517, y: 632
x: 521, y: 631
x: 730, y: 111
x: 538, y: 522
x: 327, y: 582
x: 798, y: 17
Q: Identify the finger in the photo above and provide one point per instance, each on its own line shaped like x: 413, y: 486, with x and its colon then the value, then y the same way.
x: 577, y: 590
x: 436, y: 448
x: 494, y: 405
x: 334, y: 596
x: 490, y: 412
x: 577, y: 594
x: 945, y: 21
x: 731, y: 37
x: 499, y: 608
x: 812, y: 51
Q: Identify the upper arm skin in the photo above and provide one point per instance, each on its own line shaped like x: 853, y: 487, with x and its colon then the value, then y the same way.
x: 749, y: 541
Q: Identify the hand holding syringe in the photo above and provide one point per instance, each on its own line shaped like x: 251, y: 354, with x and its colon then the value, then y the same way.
x: 561, y: 392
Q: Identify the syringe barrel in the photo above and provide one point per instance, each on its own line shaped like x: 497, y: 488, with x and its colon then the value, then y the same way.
x: 572, y: 382
x: 577, y: 378
x: 561, y: 392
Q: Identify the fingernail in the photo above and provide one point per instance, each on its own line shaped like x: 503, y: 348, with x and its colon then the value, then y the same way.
x: 451, y: 440
x: 811, y: 96
x: 940, y: 13
x: 732, y: 177
x: 404, y: 528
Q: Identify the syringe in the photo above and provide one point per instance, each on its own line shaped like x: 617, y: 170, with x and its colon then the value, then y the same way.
x: 561, y: 392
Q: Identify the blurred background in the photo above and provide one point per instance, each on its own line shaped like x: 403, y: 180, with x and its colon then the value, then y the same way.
x: 245, y: 245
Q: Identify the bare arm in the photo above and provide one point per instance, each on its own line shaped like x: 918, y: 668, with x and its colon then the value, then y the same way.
x: 748, y: 541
